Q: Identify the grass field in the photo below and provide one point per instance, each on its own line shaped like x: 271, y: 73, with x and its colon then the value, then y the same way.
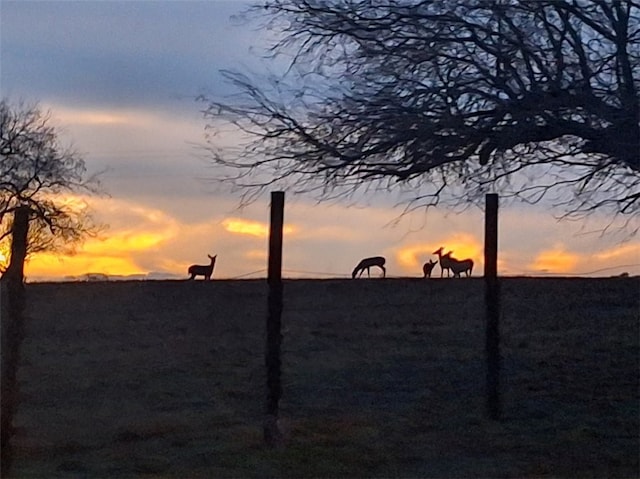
x: 381, y: 378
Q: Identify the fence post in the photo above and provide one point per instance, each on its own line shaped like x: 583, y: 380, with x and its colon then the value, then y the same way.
x: 492, y: 304
x: 272, y: 433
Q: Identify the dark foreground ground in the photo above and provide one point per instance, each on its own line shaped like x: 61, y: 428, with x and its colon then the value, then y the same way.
x: 381, y: 378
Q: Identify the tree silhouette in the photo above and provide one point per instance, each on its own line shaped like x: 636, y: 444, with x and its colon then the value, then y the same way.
x: 37, y: 173
x: 533, y: 99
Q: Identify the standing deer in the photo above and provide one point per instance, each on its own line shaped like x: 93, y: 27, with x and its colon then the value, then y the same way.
x: 445, y: 260
x: 203, y: 270
x: 461, y: 266
x: 367, y: 263
x: 427, y: 268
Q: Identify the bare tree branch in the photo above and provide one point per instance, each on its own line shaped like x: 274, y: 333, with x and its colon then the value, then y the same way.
x: 38, y: 172
x: 457, y: 97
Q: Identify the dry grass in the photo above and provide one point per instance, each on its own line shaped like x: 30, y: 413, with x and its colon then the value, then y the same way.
x: 382, y: 378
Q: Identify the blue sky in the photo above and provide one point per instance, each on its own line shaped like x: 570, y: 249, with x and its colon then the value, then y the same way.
x: 120, y: 79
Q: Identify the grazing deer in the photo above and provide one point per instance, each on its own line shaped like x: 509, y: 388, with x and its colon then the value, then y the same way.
x: 427, y: 268
x: 444, y: 259
x: 461, y: 266
x: 367, y: 263
x: 203, y: 270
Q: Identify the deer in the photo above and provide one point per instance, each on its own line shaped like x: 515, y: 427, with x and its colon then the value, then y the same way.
x: 367, y: 263
x: 445, y: 260
x: 427, y: 268
x: 203, y: 270
x: 461, y: 266
x: 452, y: 264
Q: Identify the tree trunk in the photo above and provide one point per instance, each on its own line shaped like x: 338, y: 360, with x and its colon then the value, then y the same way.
x: 12, y: 303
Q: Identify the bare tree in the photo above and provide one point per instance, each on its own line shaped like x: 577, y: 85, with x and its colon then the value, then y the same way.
x: 534, y: 99
x: 38, y: 173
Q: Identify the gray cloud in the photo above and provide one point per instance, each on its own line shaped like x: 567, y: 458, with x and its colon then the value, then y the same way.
x: 119, y: 53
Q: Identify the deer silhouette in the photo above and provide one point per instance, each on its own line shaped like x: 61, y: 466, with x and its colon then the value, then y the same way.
x: 203, y: 270
x: 367, y: 263
x: 454, y: 265
x: 445, y: 260
x: 427, y: 268
x: 461, y: 266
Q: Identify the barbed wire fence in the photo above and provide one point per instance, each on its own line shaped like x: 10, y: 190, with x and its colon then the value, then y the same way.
x: 331, y: 275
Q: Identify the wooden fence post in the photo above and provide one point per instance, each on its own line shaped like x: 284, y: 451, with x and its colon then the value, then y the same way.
x: 492, y: 303
x: 272, y: 433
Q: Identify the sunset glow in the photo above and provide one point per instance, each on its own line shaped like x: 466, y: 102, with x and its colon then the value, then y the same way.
x: 619, y: 252
x: 464, y: 246
x: 251, y: 228
x: 244, y: 227
x: 557, y: 260
x: 144, y: 240
x: 125, y: 241
x: 51, y: 265
x: 411, y: 258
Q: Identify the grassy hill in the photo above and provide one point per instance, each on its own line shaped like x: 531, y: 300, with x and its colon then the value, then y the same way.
x: 381, y: 377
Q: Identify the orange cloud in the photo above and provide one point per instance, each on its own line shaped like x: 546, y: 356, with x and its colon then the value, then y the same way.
x: 125, y: 242
x: 556, y: 260
x: 412, y: 257
x: 251, y: 228
x: 51, y: 265
x: 463, y: 246
x: 133, y: 231
x: 246, y: 227
x: 620, y: 252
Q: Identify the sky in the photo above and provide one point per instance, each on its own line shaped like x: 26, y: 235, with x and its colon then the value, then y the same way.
x: 120, y: 80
